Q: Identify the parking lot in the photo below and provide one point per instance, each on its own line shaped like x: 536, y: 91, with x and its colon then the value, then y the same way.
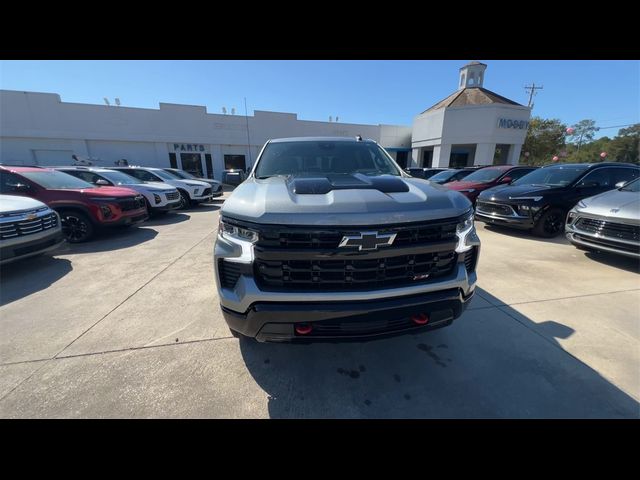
x: 128, y: 325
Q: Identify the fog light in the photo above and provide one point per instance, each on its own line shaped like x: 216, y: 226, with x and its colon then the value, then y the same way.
x: 156, y: 198
x: 524, y: 209
x: 106, y: 211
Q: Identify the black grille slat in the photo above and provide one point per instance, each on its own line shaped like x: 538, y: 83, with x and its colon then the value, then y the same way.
x: 470, y: 259
x: 173, y: 196
x: 407, y: 234
x: 609, y: 229
x: 494, y: 208
x: 131, y: 203
x: 385, y: 272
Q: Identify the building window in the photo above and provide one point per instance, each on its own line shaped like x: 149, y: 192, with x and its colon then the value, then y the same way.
x: 173, y: 161
x: 209, y: 165
x: 401, y: 159
x: 234, y: 162
x: 191, y: 162
x: 462, y: 79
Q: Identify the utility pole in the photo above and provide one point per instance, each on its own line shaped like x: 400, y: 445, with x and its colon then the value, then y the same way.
x: 531, y: 89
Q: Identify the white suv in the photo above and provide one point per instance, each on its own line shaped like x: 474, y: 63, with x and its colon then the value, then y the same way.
x: 160, y: 197
x: 191, y: 192
x: 27, y: 228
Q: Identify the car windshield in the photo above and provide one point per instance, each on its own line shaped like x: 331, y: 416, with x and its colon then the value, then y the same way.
x: 313, y: 158
x: 555, y: 176
x: 163, y: 174
x: 445, y: 175
x: 180, y: 174
x: 56, y: 180
x: 633, y: 186
x: 120, y: 178
x: 484, y: 175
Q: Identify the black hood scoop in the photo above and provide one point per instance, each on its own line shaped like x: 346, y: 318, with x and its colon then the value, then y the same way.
x: 325, y: 184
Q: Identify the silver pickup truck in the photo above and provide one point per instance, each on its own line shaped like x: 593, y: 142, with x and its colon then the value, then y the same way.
x: 328, y: 238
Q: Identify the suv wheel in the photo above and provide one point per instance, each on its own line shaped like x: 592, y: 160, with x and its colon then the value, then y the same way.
x: 185, y: 201
x: 550, y: 224
x: 76, y: 226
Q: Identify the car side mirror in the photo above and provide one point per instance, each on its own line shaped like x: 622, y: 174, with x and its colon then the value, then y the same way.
x: 621, y: 184
x: 506, y: 180
x: 102, y: 182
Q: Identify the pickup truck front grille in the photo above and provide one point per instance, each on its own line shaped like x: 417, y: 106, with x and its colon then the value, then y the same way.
x: 354, y: 274
x: 131, y: 203
x: 406, y: 234
x: 609, y: 229
x: 28, y: 227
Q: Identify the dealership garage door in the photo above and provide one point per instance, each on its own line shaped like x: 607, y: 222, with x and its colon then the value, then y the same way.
x: 53, y: 157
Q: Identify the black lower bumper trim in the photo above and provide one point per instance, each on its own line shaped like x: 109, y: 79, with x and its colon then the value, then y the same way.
x: 275, y: 322
x: 519, y: 223
x: 29, y: 249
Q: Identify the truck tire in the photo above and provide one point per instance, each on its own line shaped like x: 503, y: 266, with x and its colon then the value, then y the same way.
x: 550, y: 224
x: 76, y: 226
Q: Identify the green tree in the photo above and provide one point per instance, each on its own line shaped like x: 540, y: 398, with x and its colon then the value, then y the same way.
x: 584, y: 131
x: 545, y: 138
x: 626, y: 146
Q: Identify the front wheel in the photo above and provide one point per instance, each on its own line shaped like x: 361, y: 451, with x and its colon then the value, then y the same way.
x: 76, y: 226
x: 185, y: 201
x: 551, y: 224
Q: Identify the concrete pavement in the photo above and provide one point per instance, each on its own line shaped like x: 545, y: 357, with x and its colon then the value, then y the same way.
x: 128, y: 326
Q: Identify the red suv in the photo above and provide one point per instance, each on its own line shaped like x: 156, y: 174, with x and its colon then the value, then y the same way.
x: 82, y: 206
x: 487, y: 177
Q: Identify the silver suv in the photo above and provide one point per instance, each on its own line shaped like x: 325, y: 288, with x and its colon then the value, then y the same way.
x: 329, y: 239
x: 27, y: 228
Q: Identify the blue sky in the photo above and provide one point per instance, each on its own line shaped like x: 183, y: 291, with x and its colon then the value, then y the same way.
x: 390, y: 92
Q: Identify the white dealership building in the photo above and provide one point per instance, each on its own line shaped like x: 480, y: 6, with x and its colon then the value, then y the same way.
x: 41, y: 129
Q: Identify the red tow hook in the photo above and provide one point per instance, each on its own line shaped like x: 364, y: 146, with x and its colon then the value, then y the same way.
x: 421, y: 319
x: 303, y: 329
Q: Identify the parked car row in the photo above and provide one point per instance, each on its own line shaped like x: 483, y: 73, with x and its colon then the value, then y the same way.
x: 40, y: 207
x: 598, y: 203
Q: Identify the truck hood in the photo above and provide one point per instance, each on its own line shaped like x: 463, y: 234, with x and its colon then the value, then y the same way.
x: 342, y: 200
x: 16, y: 203
x: 508, y: 192
x: 614, y: 205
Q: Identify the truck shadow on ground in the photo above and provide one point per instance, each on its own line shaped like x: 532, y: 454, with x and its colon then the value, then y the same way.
x: 166, y: 219
x: 491, y: 363
x: 24, y: 277
x: 511, y: 232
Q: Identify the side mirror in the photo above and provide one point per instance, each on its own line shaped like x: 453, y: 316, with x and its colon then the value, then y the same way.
x: 506, y: 180
x: 621, y: 184
x: 102, y: 182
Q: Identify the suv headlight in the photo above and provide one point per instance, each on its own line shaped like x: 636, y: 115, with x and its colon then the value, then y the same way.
x: 234, y: 233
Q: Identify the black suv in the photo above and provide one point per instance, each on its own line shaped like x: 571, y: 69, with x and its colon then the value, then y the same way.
x: 540, y: 200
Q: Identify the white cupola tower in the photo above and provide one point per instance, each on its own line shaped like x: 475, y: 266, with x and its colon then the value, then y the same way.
x: 472, y: 75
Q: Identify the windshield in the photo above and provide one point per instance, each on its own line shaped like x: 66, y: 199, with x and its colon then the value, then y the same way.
x: 163, y: 174
x: 445, y: 175
x: 484, y: 175
x: 313, y: 158
x: 180, y: 174
x: 55, y: 179
x: 120, y: 178
x: 633, y: 186
x: 556, y: 176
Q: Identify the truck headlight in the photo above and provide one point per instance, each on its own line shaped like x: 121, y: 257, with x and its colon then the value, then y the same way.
x: 466, y: 222
x: 464, y: 230
x: 233, y: 232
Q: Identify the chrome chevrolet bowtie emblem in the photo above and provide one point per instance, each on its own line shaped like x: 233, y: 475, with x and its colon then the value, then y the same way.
x: 368, y: 240
x: 31, y: 216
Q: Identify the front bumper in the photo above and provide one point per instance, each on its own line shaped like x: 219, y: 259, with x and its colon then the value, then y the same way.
x: 166, y: 208
x: 132, y: 219
x: 598, y: 241
x: 45, y: 242
x: 275, y: 321
x: 519, y: 222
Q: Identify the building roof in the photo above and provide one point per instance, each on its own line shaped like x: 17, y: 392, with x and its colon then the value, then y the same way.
x: 473, y: 63
x: 472, y: 96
